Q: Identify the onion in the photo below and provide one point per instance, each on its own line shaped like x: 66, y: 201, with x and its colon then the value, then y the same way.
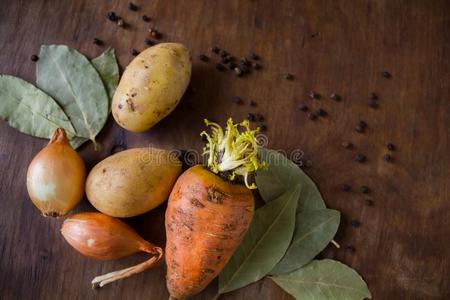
x: 56, y: 177
x: 102, y: 237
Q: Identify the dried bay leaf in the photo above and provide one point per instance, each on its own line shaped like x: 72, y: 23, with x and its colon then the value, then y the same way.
x: 280, y: 175
x: 313, y: 232
x: 30, y: 110
x: 75, y: 84
x: 107, y: 68
x: 322, y: 280
x: 264, y: 244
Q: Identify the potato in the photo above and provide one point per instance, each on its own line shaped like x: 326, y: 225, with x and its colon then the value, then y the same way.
x: 132, y: 182
x: 151, y: 86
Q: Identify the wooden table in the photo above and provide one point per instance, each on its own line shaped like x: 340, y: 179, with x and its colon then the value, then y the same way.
x: 402, y: 245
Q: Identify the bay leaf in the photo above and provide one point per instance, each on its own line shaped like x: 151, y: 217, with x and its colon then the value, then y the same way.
x: 281, y: 174
x: 107, y: 68
x: 313, y: 232
x: 322, y: 280
x: 74, y: 83
x: 264, y: 244
x: 30, y: 110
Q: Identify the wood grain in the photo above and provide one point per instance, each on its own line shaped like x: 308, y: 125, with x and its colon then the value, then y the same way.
x: 402, y: 245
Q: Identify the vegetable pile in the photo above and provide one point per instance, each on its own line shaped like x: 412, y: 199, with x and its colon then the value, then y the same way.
x: 212, y: 227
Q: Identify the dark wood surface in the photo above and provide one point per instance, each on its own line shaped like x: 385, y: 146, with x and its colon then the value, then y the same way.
x: 402, y: 245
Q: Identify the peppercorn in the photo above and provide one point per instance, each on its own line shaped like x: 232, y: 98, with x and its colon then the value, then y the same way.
x: 302, y: 106
x: 149, y: 42
x: 321, y: 112
x: 225, y: 59
x: 111, y: 16
x: 223, y: 53
x: 34, y: 58
x: 391, y: 147
x: 313, y: 95
x: 368, y: 202
x: 345, y: 187
x: 98, y: 42
x: 372, y: 95
x: 215, y: 49
x: 387, y: 157
x: 361, y: 126
x: 245, y: 61
x: 355, y: 223
x: 146, y: 18
x: 244, y: 68
x: 346, y: 145
x: 360, y: 158
x: 365, y: 189
x: 237, y: 100
x: 134, y: 52
x: 203, y: 57
x: 289, y: 76
x: 312, y: 116
x: 220, y: 67
x: 263, y: 128
x: 373, y: 103
x: 335, y: 97
x: 132, y: 6
x: 232, y: 65
x: 155, y: 33
x: 386, y: 74
x: 253, y: 103
x: 251, y: 117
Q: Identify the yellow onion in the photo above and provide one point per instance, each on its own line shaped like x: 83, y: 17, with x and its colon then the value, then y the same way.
x: 56, y: 177
x: 102, y: 237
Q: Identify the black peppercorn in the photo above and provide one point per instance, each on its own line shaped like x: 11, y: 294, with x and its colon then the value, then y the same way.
x: 346, y: 144
x: 149, y: 42
x: 111, y: 16
x: 132, y: 6
x: 225, y: 60
x: 386, y: 74
x: 365, y: 189
x: 361, y: 126
x: 387, y: 157
x: 98, y: 42
x: 134, y: 52
x: 373, y: 103
x: 203, y: 57
x: 288, y: 76
x: 237, y: 100
x: 360, y: 158
x: 313, y: 95
x: 220, y: 67
x: 321, y: 112
x: 253, y: 103
x: 146, y: 18
x: 312, y: 116
x: 302, y: 107
x: 391, y: 147
x: 251, y: 117
x: 245, y: 61
x: 345, y: 187
x: 263, y: 128
x: 34, y: 58
x: 372, y: 95
x: 223, y: 53
x: 355, y: 223
x: 335, y: 97
x: 232, y: 65
x: 215, y: 49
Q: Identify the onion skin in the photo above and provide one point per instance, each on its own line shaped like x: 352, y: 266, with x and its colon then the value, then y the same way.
x: 102, y: 237
x: 56, y: 177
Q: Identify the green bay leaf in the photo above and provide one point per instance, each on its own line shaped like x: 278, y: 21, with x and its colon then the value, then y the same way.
x: 313, y: 232
x: 280, y: 175
x: 74, y: 83
x: 264, y: 244
x: 30, y: 110
x: 107, y: 68
x: 322, y: 280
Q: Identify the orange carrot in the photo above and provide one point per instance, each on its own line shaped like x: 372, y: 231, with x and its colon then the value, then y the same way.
x: 208, y: 214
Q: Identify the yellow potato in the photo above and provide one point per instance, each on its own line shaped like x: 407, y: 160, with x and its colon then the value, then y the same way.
x: 133, y: 181
x: 151, y: 86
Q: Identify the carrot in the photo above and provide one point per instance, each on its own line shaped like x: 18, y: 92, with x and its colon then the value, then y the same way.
x: 208, y: 212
